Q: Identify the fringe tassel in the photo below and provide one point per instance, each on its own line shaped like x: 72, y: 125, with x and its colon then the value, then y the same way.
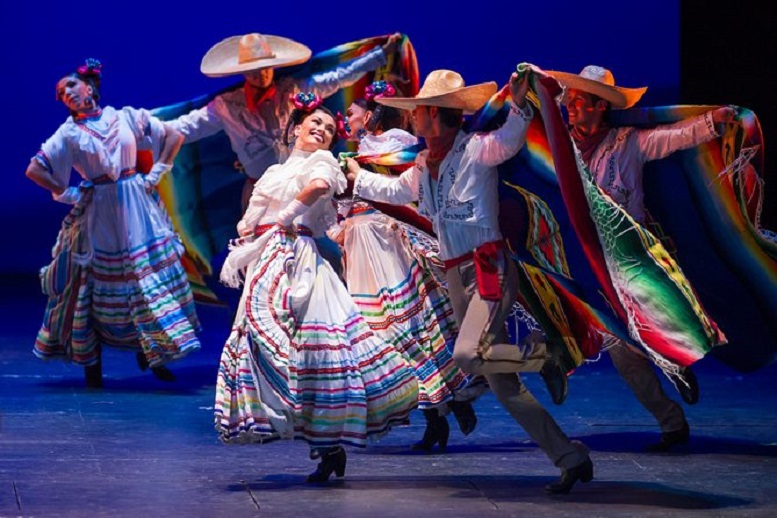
x: 242, y: 252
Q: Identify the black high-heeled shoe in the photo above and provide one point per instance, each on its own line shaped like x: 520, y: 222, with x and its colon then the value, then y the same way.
x: 160, y: 372
x: 464, y: 413
x: 331, y: 462
x: 437, y: 432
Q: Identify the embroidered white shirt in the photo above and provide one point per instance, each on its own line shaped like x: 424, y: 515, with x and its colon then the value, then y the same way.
x: 618, y: 161
x: 463, y: 203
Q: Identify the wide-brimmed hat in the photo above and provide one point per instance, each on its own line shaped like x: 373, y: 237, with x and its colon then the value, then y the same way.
x: 240, y: 54
x: 445, y: 88
x: 600, y: 82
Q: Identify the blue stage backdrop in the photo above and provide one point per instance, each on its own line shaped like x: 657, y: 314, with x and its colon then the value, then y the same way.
x: 151, y: 54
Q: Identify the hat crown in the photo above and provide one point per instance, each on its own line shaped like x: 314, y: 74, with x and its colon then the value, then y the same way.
x: 597, y: 73
x: 440, y: 82
x: 253, y: 47
x: 600, y: 82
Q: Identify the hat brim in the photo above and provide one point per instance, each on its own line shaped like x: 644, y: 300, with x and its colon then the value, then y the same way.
x: 618, y: 97
x: 222, y: 58
x: 468, y: 98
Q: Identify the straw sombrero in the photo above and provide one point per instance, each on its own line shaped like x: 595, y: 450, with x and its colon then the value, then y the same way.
x: 445, y: 88
x: 239, y: 54
x: 600, y: 81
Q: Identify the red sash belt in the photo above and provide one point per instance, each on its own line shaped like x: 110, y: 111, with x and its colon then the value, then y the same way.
x: 361, y: 210
x: 486, y: 258
x: 105, y: 179
x: 302, y: 230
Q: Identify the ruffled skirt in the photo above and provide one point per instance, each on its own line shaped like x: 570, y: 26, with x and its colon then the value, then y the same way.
x: 116, y: 279
x: 393, y: 275
x: 301, y: 362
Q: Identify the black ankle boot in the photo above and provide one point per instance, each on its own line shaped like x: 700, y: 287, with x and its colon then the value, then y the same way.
x: 142, y: 361
x: 670, y: 439
x: 583, y: 472
x: 160, y: 372
x: 465, y: 416
x: 163, y: 373
x: 94, y: 375
x: 437, y: 431
x: 331, y: 462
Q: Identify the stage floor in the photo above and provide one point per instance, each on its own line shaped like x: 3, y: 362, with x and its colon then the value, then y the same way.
x: 141, y: 447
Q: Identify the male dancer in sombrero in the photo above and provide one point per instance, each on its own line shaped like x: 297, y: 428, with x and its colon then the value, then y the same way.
x: 254, y: 117
x: 615, y: 157
x: 455, y: 183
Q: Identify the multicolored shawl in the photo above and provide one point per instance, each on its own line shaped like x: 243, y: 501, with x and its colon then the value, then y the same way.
x: 399, y: 160
x: 202, y: 193
x: 557, y: 285
x: 401, y: 69
x: 709, y: 200
x: 61, y: 281
x: 591, y: 272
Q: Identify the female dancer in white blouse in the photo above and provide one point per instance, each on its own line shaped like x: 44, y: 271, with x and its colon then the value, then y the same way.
x: 116, y: 279
x: 301, y: 362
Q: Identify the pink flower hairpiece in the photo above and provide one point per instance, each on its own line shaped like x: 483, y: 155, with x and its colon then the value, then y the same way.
x: 92, y: 67
x: 307, y: 101
x: 379, y: 89
x: 343, y: 129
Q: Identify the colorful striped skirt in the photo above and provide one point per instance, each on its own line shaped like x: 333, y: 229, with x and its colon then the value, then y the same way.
x: 395, y: 282
x: 301, y: 362
x: 116, y: 280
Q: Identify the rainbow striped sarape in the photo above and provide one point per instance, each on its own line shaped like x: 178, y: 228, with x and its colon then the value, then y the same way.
x: 593, y: 273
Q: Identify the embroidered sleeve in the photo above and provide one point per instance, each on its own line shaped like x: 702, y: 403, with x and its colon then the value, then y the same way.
x: 148, y: 129
x: 397, y: 190
x: 664, y: 140
x: 200, y: 123
x: 330, y: 174
x: 138, y: 121
x: 56, y: 156
x: 500, y: 145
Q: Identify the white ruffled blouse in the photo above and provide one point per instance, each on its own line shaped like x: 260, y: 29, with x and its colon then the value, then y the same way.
x: 281, y: 184
x: 106, y: 144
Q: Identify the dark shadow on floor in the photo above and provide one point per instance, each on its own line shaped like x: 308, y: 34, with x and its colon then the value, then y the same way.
x: 189, y: 380
x: 512, y: 489
x: 611, y: 442
x: 699, y: 444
